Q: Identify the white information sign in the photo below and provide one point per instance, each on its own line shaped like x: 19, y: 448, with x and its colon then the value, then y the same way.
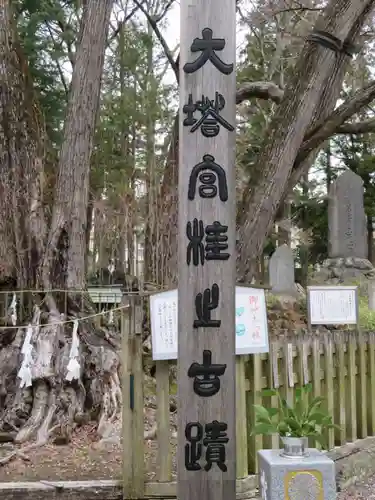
x: 251, y: 322
x: 332, y: 305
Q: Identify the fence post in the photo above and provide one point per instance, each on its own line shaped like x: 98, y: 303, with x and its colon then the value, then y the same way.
x: 371, y: 363
x: 127, y: 418
x: 329, y: 384
x: 273, y: 377
x: 163, y: 424
x: 340, y: 343
x: 138, y: 399
x: 133, y: 402
x: 256, y: 442
x: 362, y: 384
x: 242, y: 466
x: 352, y: 387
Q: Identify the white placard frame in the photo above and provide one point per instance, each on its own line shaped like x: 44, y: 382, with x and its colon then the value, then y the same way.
x: 171, y: 351
x: 352, y: 320
x: 242, y: 348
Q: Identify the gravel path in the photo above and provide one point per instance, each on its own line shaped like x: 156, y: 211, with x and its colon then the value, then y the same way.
x: 360, y: 491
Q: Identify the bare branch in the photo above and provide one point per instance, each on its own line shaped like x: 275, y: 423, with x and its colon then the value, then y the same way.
x: 298, y: 9
x: 69, y: 46
x: 337, y: 119
x: 335, y: 123
x: 59, y: 68
x: 259, y: 90
x: 121, y: 23
x: 164, y: 11
x: 161, y: 39
x: 363, y: 127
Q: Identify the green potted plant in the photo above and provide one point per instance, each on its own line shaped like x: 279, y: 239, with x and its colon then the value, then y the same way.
x: 294, y: 424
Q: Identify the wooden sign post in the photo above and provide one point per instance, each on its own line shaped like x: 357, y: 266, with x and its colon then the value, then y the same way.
x: 206, y: 246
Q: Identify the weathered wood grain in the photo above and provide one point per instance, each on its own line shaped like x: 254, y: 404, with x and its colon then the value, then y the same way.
x: 219, y: 16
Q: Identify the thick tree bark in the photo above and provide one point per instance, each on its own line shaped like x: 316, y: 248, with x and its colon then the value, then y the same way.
x: 53, y: 258
x: 165, y: 231
x: 150, y: 256
x: 314, y: 89
x: 21, y: 214
x: 316, y: 80
x: 21, y: 166
x: 69, y: 217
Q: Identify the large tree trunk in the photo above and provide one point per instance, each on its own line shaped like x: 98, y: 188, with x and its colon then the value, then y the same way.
x: 49, y: 251
x: 311, y: 95
x: 164, y: 238
x: 310, y: 98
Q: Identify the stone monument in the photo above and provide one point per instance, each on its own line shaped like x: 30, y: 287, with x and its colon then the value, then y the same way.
x: 346, y: 218
x: 281, y: 271
x: 347, y: 235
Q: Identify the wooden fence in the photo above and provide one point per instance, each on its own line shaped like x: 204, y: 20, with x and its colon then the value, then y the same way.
x: 340, y: 366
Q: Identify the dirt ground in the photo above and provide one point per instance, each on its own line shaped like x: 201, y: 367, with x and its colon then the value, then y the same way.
x: 85, y: 458
x: 364, y: 490
x: 82, y: 459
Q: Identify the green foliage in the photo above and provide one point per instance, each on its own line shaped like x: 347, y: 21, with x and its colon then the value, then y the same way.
x: 312, y: 217
x: 366, y: 316
x: 135, y: 107
x: 303, y: 419
x: 252, y: 133
x: 47, y: 30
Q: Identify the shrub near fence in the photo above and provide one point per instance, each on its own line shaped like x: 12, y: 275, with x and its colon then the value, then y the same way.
x: 340, y: 366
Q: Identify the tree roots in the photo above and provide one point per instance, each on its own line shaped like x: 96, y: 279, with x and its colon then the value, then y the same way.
x: 51, y: 404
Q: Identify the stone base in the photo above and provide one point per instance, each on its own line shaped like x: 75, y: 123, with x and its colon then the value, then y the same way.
x: 339, y: 270
x: 310, y: 478
x: 288, y: 296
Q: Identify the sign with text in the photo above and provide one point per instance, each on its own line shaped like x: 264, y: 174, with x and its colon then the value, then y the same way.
x: 251, y: 323
x: 332, y: 305
x: 206, y: 448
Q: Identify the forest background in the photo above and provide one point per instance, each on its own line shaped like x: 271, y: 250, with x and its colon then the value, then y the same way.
x: 89, y: 167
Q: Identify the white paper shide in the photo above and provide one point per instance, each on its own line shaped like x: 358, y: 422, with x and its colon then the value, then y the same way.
x: 74, y: 368
x: 13, y: 310
x: 24, y: 372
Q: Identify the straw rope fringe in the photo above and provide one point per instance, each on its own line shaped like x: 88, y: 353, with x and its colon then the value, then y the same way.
x: 102, y: 313
x: 104, y: 293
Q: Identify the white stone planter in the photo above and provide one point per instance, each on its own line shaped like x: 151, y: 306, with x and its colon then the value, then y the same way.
x: 295, y: 447
x: 310, y: 476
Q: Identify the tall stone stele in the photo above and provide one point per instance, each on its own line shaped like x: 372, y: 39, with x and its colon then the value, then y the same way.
x: 347, y: 235
x: 346, y: 218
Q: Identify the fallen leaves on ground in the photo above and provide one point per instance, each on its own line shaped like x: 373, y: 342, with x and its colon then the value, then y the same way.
x: 82, y: 459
